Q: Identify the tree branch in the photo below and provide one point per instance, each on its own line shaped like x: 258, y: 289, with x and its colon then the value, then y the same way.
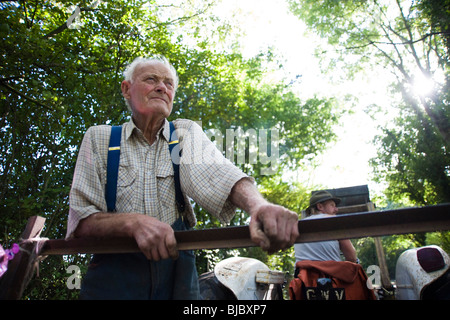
x: 7, y: 86
x: 406, y: 42
x: 184, y: 18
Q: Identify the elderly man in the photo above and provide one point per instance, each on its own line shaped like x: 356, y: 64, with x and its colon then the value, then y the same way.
x: 146, y: 206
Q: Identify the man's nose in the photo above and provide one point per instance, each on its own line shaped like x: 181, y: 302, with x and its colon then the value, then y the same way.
x: 161, y: 87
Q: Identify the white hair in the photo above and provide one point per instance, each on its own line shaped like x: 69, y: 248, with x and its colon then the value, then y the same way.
x: 129, y: 70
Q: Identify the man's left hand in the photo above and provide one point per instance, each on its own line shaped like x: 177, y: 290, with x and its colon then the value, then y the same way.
x: 273, y: 227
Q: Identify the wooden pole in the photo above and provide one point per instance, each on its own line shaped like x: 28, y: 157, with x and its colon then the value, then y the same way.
x: 384, y: 271
x: 21, y: 268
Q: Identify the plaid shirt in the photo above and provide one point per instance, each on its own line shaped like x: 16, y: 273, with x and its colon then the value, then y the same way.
x: 145, y: 182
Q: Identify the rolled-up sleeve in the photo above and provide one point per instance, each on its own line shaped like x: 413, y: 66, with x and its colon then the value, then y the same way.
x: 87, y: 194
x: 206, y: 175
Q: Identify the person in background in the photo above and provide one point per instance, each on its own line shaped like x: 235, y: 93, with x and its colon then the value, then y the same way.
x: 322, y: 204
x: 320, y: 273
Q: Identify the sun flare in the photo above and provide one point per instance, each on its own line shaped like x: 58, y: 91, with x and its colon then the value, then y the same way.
x: 422, y: 84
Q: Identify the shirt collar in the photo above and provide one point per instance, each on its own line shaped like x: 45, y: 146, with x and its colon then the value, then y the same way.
x: 164, y: 131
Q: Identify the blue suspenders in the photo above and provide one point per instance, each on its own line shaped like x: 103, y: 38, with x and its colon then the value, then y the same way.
x: 175, y: 156
x: 131, y: 275
x: 113, y: 167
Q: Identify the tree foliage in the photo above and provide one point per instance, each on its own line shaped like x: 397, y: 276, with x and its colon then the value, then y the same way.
x: 60, y: 74
x: 410, y: 40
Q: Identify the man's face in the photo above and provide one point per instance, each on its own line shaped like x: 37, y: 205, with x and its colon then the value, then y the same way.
x: 328, y: 207
x: 152, y: 90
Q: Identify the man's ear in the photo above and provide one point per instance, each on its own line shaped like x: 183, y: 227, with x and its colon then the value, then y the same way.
x: 125, y: 86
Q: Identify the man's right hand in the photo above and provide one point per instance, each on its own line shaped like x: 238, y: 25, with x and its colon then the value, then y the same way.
x: 155, y: 238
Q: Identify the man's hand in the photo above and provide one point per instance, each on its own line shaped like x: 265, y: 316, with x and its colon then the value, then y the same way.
x: 155, y: 238
x: 273, y: 227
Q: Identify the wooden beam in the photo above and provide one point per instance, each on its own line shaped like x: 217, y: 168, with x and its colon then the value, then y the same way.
x: 359, y: 225
x: 355, y: 208
x: 376, y: 223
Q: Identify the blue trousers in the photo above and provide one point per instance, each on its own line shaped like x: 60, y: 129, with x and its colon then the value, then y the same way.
x: 131, y: 276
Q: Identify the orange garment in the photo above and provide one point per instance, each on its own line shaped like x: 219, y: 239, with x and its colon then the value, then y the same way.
x: 345, y: 275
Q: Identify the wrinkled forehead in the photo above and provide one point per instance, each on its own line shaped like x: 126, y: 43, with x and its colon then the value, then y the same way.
x: 153, y: 67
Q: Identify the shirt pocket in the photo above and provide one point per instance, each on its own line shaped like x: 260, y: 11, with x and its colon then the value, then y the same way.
x: 126, y: 193
x: 166, y: 185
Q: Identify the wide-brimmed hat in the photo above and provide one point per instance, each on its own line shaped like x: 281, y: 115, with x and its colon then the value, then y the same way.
x: 321, y: 196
